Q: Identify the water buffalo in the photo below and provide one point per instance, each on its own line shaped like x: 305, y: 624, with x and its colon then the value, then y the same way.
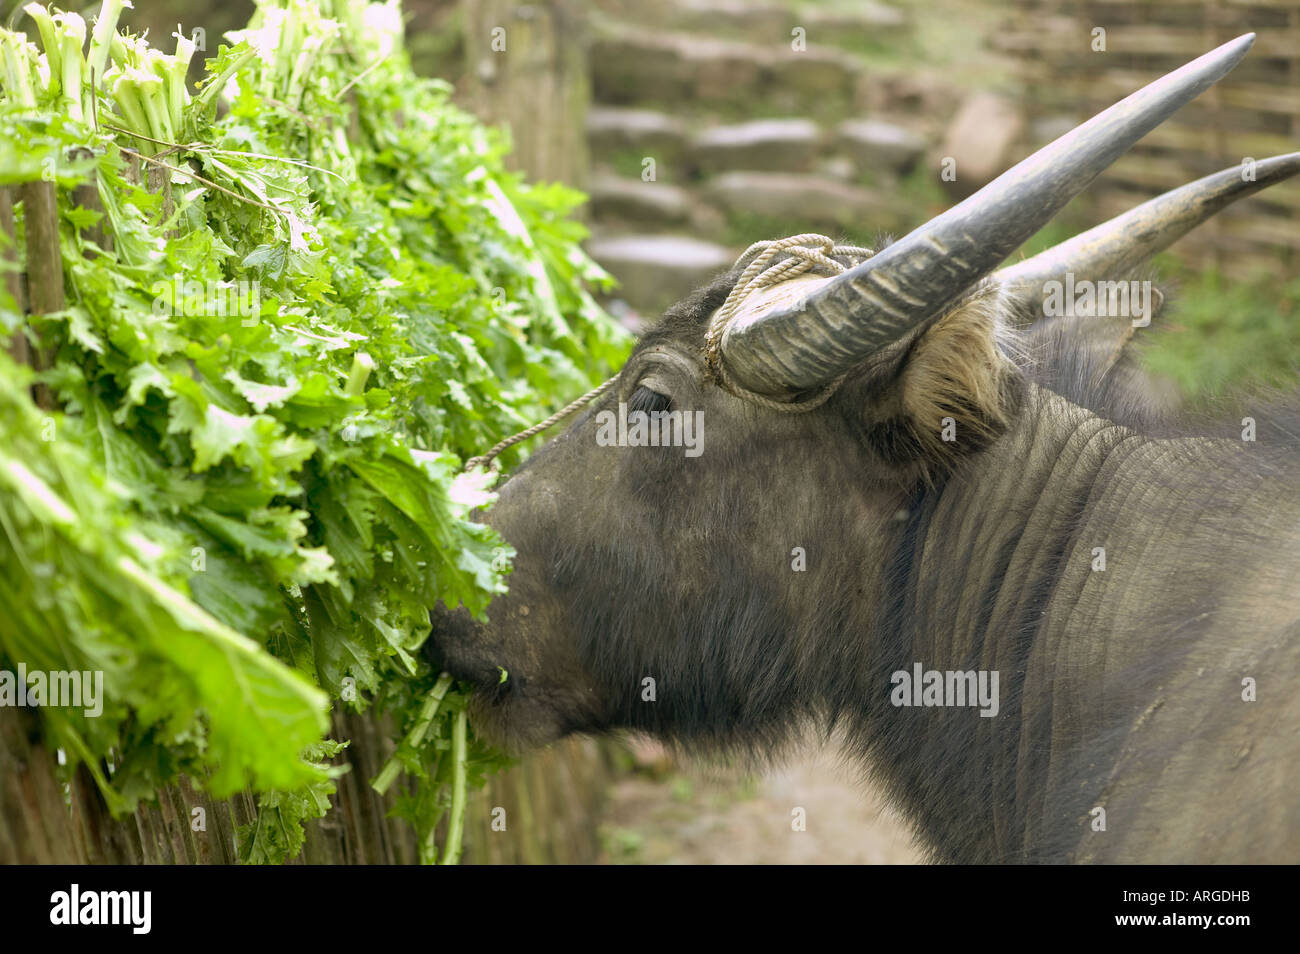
x: 1055, y: 626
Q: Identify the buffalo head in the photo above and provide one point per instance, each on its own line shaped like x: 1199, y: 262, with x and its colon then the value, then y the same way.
x: 730, y: 583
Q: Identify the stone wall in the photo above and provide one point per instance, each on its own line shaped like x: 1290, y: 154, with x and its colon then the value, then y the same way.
x: 716, y: 123
x: 711, y: 124
x: 1076, y: 57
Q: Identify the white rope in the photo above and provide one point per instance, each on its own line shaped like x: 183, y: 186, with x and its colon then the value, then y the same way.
x: 807, y: 252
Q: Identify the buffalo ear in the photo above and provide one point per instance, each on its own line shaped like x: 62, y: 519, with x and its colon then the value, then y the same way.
x: 950, y: 393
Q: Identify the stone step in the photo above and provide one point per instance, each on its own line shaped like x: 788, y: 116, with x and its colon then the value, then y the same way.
x: 810, y: 201
x: 863, y: 22
x: 656, y: 270
x: 982, y: 140
x: 643, y: 132
x: 762, y: 145
x: 849, y: 22
x: 872, y: 150
x: 875, y: 145
x: 751, y: 18
x: 632, y: 66
x: 616, y: 198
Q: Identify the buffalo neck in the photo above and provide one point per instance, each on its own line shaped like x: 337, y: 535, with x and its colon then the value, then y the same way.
x: 1060, y: 558
x: 977, y: 561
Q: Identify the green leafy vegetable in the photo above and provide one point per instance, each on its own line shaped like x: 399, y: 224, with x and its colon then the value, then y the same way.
x: 303, y: 314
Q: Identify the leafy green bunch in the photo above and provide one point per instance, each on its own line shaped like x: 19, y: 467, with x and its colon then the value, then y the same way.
x: 309, y: 291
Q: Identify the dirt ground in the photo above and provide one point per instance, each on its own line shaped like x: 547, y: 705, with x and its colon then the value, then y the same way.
x: 674, y: 813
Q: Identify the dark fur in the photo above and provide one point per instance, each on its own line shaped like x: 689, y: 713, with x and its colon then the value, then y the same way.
x: 679, y: 572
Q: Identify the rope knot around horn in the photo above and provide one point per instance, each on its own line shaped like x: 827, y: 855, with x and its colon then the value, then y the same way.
x: 806, y: 252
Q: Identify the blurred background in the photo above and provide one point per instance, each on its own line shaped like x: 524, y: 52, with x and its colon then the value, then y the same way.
x: 710, y: 124
x: 699, y: 126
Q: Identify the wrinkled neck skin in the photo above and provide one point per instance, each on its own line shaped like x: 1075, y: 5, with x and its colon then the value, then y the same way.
x: 1120, y: 689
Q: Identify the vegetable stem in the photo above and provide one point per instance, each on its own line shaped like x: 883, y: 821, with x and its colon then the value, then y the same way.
x: 101, y: 39
x: 456, y: 823
x: 362, y: 365
x: 388, y: 774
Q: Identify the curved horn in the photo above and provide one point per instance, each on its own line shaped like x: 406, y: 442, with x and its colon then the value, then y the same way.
x: 787, y: 348
x: 1120, y: 245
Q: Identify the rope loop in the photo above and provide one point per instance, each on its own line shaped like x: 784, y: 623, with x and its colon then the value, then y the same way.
x: 807, y: 252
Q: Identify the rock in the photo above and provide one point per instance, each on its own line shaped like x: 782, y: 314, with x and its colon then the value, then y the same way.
x: 765, y: 144
x: 810, y: 201
x: 632, y: 200
x: 982, y: 139
x: 818, y: 77
x: 864, y: 22
x: 643, y: 131
x: 837, y: 167
x: 657, y: 270
x: 640, y: 66
x: 753, y: 18
x: 627, y: 68
x: 631, y: 66
x: 922, y: 94
x: 874, y: 144
x: 723, y: 72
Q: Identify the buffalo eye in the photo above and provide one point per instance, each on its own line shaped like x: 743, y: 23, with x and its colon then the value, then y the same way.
x: 643, y: 399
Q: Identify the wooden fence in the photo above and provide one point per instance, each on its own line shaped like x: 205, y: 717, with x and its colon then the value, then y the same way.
x: 1252, y: 113
x: 551, y: 800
